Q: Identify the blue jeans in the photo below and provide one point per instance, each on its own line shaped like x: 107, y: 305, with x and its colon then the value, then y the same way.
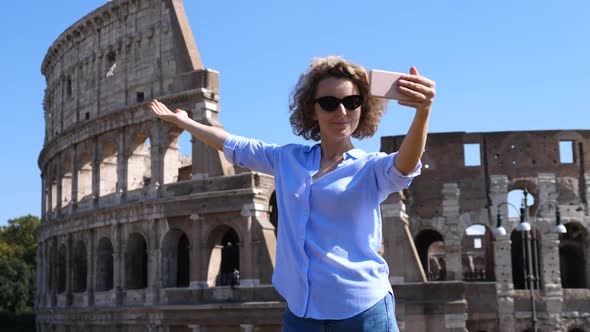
x: 378, y: 318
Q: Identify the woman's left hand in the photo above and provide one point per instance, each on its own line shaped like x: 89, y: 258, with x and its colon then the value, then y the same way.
x: 419, y: 89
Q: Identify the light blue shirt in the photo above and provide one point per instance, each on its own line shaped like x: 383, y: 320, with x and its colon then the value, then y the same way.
x: 327, y: 260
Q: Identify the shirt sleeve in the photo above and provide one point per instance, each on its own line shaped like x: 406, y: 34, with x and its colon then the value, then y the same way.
x: 253, y: 154
x: 389, y: 178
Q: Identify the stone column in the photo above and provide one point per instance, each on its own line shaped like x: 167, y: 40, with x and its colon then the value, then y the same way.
x: 60, y: 175
x: 499, y: 194
x: 198, y: 272
x: 123, y: 157
x: 398, y: 244
x: 551, y: 281
x: 249, y: 269
x: 453, y: 248
x: 43, y: 196
x: 118, y: 267
x: 504, y: 285
x: 91, y: 267
x: 49, y: 194
x: 547, y: 192
x: 53, y: 270
x: 69, y: 270
x: 95, y: 172
x: 39, y: 279
x: 206, y: 161
x: 154, y: 279
x: 75, y: 166
x: 158, y: 149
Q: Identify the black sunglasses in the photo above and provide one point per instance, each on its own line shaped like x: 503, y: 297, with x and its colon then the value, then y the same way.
x: 330, y: 104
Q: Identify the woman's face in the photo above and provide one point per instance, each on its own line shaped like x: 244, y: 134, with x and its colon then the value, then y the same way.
x: 342, y: 122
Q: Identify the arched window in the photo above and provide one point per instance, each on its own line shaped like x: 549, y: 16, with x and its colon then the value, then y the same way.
x: 80, y: 267
x: 139, y: 162
x: 85, y: 177
x: 104, y: 265
x: 572, y: 258
x: 108, y: 169
x: 66, y: 183
x: 478, y: 259
x: 172, y: 157
x: 430, y: 246
x: 136, y: 262
x: 224, y: 261
x: 61, y: 269
x: 175, y: 259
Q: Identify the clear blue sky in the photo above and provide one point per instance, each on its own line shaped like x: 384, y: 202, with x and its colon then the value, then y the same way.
x: 499, y: 65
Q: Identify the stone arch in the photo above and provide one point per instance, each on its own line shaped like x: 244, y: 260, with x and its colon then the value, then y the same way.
x: 572, y: 256
x: 274, y: 212
x: 430, y: 246
x: 518, y: 249
x: 66, y: 180
x: 61, y: 269
x: 172, y: 156
x: 175, y: 257
x: 136, y: 262
x: 51, y: 286
x: 108, y: 167
x: 224, y: 244
x: 104, y: 265
x: 53, y: 178
x: 478, y: 253
x: 139, y: 160
x: 79, y: 267
x: 84, y: 174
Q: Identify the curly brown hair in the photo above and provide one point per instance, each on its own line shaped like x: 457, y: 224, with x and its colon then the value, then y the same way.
x: 303, y: 97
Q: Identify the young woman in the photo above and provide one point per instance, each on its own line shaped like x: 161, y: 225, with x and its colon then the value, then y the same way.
x: 328, y: 267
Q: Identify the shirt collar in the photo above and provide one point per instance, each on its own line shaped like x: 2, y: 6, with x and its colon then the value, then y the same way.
x: 354, y: 153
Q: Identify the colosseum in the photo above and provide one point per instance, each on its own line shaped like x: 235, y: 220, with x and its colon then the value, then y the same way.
x: 135, y: 236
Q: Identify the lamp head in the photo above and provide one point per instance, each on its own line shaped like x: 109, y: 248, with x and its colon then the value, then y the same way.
x: 499, y: 231
x: 523, y: 226
x: 558, y: 228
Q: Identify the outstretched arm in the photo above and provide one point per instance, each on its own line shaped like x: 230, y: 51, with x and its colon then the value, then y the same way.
x: 212, y: 136
x: 421, y: 90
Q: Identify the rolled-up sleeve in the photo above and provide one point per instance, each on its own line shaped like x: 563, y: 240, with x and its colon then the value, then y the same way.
x: 250, y: 153
x: 389, y: 178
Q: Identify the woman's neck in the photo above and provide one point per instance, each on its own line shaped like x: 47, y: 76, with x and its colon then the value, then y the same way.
x: 335, y: 149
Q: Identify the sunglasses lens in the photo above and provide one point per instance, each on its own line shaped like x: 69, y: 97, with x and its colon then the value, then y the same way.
x: 329, y: 103
x: 352, y: 102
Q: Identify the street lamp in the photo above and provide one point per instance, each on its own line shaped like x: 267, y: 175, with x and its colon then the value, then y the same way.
x: 528, y: 236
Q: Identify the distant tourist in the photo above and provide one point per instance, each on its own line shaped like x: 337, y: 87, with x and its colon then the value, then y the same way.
x: 327, y: 263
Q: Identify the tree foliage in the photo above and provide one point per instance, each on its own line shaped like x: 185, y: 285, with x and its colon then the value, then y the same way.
x: 15, y: 284
x: 18, y: 248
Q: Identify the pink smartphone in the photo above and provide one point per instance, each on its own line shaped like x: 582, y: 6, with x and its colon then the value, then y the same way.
x: 384, y: 84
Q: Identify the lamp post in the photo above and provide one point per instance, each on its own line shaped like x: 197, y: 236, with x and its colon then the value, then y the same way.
x: 529, y: 251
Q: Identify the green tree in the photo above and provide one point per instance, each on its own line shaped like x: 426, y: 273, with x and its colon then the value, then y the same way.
x: 18, y: 249
x: 15, y: 284
x: 20, y: 236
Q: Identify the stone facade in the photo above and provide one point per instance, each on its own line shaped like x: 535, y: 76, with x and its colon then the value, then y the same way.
x: 135, y: 237
x: 453, y: 207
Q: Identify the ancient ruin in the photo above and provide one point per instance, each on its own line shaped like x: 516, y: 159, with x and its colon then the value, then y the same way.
x: 137, y: 237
